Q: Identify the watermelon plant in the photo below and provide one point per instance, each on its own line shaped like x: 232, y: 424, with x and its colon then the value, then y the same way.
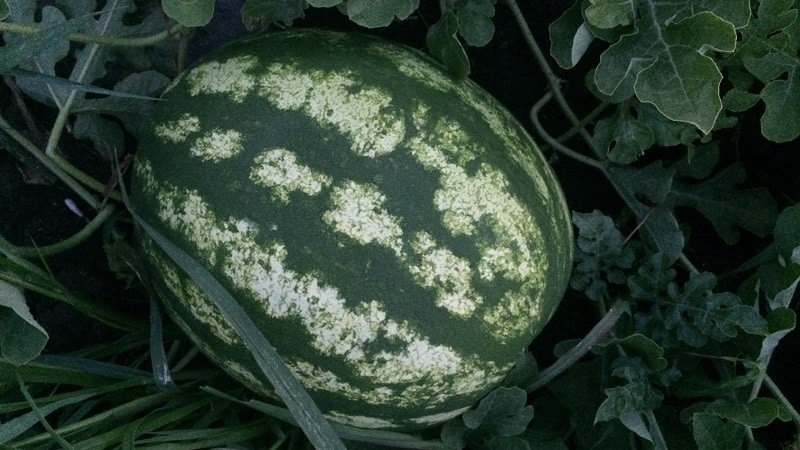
x: 671, y: 126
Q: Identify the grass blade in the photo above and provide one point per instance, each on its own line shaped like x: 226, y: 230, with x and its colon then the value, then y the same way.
x: 294, y: 395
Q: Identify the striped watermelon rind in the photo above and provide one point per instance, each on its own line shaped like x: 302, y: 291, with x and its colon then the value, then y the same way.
x: 395, y: 233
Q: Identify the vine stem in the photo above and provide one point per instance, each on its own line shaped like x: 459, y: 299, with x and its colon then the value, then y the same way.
x: 111, y: 41
x: 64, y: 110
x: 592, y: 338
x: 551, y: 77
x: 776, y: 391
x: 537, y: 125
x: 69, y: 243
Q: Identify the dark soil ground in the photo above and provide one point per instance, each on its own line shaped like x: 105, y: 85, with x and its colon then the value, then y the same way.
x: 33, y: 209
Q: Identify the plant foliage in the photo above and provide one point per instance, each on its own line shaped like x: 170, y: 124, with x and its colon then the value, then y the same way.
x: 680, y: 353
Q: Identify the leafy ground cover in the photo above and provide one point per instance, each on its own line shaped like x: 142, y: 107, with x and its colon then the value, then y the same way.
x: 672, y: 125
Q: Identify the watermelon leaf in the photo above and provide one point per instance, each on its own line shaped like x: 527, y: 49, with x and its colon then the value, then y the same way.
x: 502, y: 413
x: 759, y: 412
x: 623, y: 136
x: 189, y: 13
x: 569, y: 37
x: 600, y: 255
x: 294, y: 395
x: 379, y: 13
x: 475, y: 21
x: 768, y: 50
x: 50, y: 43
x: 21, y: 336
x: 445, y: 46
x: 644, y: 191
x: 712, y: 432
x: 727, y: 207
x: 668, y: 61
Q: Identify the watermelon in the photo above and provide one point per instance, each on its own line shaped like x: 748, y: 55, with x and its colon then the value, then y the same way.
x: 393, y: 231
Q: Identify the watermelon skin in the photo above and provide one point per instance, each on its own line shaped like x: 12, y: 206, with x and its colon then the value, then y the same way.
x: 394, y: 232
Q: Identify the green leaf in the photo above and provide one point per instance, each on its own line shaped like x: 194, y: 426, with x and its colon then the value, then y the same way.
x: 600, y: 256
x: 125, y: 101
x: 324, y: 3
x: 635, y: 397
x: 475, y: 21
x: 787, y: 231
x: 644, y: 191
x: 726, y: 207
x: 768, y: 50
x: 189, y: 13
x: 639, y: 345
x: 697, y: 314
x: 739, y: 101
x: 107, y: 137
x: 43, y: 46
x: 82, y: 87
x: 265, y: 12
x: 569, y: 37
x: 669, y: 63
x: 712, y: 433
x: 780, y: 322
x: 4, y: 10
x: 21, y: 337
x: 623, y: 136
x: 610, y: 13
x: 757, y: 413
x: 700, y: 163
x: 652, y: 277
x: 379, y: 13
x: 445, y: 46
x: 781, y: 119
x: 502, y: 412
x: 666, y: 132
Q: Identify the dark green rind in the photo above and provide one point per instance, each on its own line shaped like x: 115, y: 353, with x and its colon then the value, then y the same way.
x: 361, y: 273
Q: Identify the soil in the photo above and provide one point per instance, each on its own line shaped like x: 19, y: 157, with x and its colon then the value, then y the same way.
x: 33, y: 208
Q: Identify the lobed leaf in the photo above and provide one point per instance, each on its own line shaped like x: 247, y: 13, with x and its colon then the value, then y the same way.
x: 600, y: 255
x: 624, y: 137
x: 503, y: 411
x: 712, y: 433
x: 667, y: 61
x: 43, y: 49
x: 768, y: 50
x: 726, y: 207
x: 645, y: 191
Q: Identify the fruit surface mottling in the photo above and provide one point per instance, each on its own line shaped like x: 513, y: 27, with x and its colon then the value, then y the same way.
x: 394, y: 232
